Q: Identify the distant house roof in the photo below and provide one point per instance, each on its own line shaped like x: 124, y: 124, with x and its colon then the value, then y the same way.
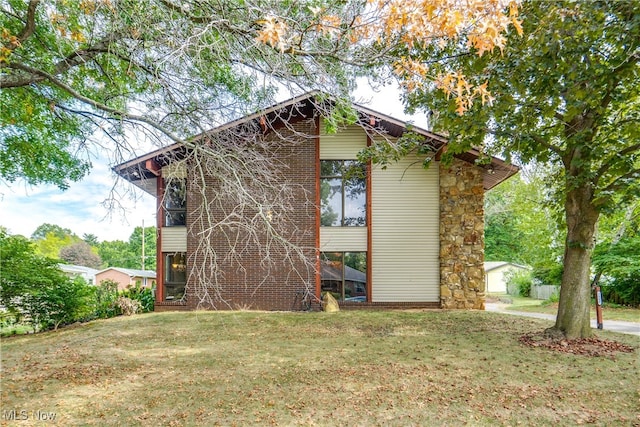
x: 492, y: 265
x: 331, y: 272
x: 132, y: 272
x: 77, y: 269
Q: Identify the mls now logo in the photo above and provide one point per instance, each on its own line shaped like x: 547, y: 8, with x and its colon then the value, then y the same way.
x: 24, y: 415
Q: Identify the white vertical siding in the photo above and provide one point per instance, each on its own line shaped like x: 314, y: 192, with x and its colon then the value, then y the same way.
x: 343, y: 145
x: 343, y: 239
x: 405, y: 232
x: 174, y: 239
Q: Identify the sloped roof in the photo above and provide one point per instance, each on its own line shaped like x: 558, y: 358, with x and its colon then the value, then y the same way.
x: 77, y: 269
x: 132, y: 272
x: 493, y: 265
x: 305, y: 106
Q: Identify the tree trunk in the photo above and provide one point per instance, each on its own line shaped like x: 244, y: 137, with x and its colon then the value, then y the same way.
x: 573, y: 319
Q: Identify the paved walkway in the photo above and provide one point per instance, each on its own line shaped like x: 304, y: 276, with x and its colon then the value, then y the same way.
x: 632, y: 328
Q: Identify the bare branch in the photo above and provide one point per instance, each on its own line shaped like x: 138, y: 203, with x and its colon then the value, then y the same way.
x: 112, y: 111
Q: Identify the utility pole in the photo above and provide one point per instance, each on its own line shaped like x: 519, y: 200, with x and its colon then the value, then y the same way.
x: 143, y: 245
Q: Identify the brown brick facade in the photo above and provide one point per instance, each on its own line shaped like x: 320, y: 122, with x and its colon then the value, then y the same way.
x: 248, y: 283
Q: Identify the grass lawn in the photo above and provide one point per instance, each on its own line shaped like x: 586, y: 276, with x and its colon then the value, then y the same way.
x: 394, y: 368
x: 538, y: 306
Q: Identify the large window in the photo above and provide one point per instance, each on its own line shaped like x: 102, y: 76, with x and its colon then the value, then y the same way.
x: 343, y: 193
x: 175, y: 202
x: 344, y: 274
x: 175, y: 275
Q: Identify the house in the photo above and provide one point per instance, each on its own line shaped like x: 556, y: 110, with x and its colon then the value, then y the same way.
x: 414, y: 235
x: 87, y: 273
x: 126, y: 277
x: 495, y: 275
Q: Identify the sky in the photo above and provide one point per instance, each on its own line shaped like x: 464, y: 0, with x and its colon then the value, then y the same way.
x: 80, y: 208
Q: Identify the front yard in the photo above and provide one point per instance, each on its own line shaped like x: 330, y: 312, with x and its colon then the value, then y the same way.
x: 347, y: 368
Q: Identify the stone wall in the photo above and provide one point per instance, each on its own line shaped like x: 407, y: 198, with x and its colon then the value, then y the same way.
x: 461, y: 236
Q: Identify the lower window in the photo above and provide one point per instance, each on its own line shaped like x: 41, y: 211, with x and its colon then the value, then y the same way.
x: 344, y: 275
x: 175, y: 275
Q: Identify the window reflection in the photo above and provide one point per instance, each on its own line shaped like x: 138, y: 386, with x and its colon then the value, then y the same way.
x: 175, y: 275
x: 175, y: 202
x: 342, y: 193
x: 344, y: 275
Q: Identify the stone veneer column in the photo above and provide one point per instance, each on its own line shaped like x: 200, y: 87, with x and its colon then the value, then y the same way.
x: 462, y: 283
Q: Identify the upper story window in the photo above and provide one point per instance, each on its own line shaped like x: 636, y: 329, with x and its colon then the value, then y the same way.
x: 343, y: 193
x: 175, y: 202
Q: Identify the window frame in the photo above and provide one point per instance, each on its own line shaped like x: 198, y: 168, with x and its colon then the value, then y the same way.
x: 168, y: 258
x: 359, y: 288
x: 172, y: 213
x: 343, y: 187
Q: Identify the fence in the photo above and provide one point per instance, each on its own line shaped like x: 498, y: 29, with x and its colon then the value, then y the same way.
x: 543, y: 291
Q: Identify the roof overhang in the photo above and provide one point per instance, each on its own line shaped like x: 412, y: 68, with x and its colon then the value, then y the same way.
x: 143, y: 171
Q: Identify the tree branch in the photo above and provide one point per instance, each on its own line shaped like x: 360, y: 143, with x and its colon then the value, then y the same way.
x: 76, y: 58
x: 29, y: 26
x: 607, y: 165
x: 616, y: 183
x: 536, y: 138
x: 96, y: 104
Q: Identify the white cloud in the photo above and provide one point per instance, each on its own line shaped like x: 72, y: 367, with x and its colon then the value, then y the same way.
x: 80, y: 208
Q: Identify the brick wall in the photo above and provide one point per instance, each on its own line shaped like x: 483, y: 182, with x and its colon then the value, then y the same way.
x: 248, y: 282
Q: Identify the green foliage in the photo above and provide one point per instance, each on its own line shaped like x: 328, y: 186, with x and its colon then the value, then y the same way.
x: 68, y: 301
x: 35, y: 290
x: 145, y: 296
x: 567, y: 93
x: 106, y: 295
x: 76, y: 68
x: 520, y: 224
x: 620, y: 266
x: 45, y: 229
x: 519, y: 282
x: 549, y: 274
x: 118, y: 254
x: 37, y: 144
x: 50, y: 239
x: 80, y: 253
x: 135, y: 249
x: 128, y: 254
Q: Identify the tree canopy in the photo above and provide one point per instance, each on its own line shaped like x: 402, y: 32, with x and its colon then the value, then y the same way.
x: 81, y: 74
x: 565, y: 93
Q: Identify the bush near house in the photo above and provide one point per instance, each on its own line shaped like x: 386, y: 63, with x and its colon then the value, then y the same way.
x: 519, y: 282
x: 34, y: 292
x: 145, y: 296
x: 106, y: 296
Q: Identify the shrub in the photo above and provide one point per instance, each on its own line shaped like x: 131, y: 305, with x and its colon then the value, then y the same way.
x: 519, y: 282
x: 549, y: 274
x: 106, y: 295
x: 36, y: 290
x: 128, y: 306
x: 143, y: 295
x: 69, y: 301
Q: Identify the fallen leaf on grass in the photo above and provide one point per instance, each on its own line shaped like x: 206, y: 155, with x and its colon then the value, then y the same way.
x: 592, y: 347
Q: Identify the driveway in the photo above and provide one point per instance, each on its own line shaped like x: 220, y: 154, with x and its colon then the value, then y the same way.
x: 632, y: 328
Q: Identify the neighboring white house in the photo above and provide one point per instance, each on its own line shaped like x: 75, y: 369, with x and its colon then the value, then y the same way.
x: 87, y: 273
x: 494, y: 275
